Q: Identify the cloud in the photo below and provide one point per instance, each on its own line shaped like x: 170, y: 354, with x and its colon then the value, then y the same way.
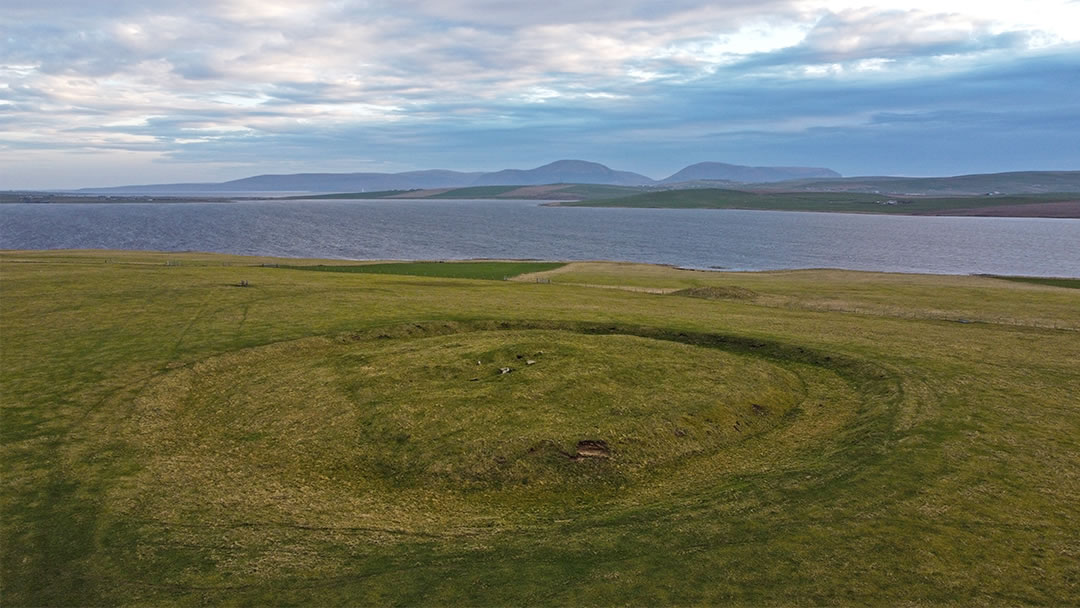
x: 418, y: 81
x: 865, y: 33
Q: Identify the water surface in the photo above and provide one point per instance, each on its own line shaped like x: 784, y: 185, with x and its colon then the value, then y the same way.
x: 463, y: 229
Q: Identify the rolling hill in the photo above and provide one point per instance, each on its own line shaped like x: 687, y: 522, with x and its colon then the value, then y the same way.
x: 707, y: 174
x: 748, y: 175
x: 564, y: 172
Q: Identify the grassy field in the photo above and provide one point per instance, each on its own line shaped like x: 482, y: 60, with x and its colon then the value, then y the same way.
x: 1070, y: 283
x: 714, y: 198
x: 616, y: 434
x: 449, y: 270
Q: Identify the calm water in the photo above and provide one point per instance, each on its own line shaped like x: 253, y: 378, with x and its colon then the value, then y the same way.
x: 698, y: 238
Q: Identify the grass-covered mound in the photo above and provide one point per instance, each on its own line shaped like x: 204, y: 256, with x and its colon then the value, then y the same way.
x: 170, y: 438
x: 483, y: 409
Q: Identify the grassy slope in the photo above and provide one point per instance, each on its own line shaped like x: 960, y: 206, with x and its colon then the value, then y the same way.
x: 713, y: 198
x: 169, y: 439
x: 449, y: 270
x: 1070, y: 283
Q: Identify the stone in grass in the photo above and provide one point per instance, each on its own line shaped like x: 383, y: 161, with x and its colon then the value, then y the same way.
x: 505, y: 370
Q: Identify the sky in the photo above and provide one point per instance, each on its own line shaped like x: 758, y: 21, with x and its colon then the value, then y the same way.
x: 155, y: 91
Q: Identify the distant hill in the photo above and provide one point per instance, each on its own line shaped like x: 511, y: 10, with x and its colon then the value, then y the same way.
x: 710, y: 174
x: 559, y: 172
x: 746, y: 175
x: 564, y: 172
x: 315, y: 182
x: 311, y: 182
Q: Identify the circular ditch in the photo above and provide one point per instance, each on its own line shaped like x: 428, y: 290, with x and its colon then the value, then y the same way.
x: 439, y: 420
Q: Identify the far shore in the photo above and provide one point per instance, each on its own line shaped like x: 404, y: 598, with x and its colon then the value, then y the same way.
x: 1062, y: 209
x: 1054, y: 210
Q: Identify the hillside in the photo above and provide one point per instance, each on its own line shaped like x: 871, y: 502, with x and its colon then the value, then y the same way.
x: 748, y: 175
x: 563, y: 172
x: 549, y: 192
x: 709, y: 175
x: 558, y: 172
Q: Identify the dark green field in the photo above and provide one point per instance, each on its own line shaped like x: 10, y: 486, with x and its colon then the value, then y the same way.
x: 714, y: 198
x: 1069, y: 283
x: 594, y: 434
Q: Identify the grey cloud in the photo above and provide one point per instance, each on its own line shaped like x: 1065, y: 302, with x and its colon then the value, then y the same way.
x: 477, y: 85
x: 520, y: 14
x: 57, y: 50
x: 892, y: 36
x: 195, y: 67
x: 866, y: 33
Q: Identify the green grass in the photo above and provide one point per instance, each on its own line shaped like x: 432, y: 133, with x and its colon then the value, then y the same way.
x: 714, y: 198
x: 1067, y: 283
x: 449, y: 270
x: 323, y: 438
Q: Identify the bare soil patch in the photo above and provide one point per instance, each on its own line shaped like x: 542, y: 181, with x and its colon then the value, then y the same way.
x: 592, y: 448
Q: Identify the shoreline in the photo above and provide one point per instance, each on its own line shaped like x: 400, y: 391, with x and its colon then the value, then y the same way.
x: 1068, y: 210
x: 109, y: 256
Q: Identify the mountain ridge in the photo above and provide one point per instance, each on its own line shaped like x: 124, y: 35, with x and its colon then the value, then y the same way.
x: 560, y: 171
x: 707, y: 174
